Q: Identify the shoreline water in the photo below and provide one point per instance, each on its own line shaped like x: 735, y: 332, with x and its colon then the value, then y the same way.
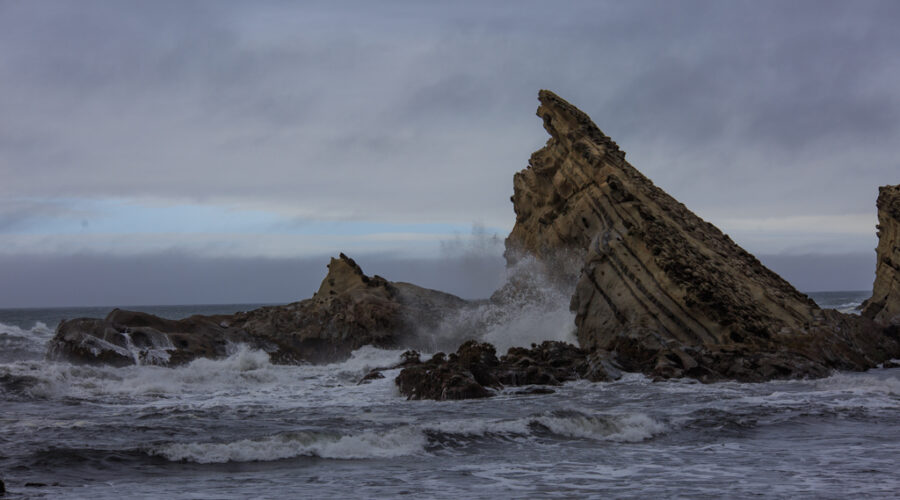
x: 242, y: 426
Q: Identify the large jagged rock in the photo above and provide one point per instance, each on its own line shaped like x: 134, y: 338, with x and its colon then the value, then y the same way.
x: 350, y: 310
x: 884, y: 306
x: 661, y: 290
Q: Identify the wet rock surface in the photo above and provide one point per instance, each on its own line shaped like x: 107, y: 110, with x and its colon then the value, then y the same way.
x: 474, y: 369
x: 350, y: 310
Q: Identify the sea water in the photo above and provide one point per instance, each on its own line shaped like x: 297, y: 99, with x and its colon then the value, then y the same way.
x: 241, y: 427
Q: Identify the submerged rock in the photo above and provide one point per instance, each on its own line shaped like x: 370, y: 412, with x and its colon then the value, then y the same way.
x: 350, y: 310
x: 663, y: 291
x: 884, y: 306
x: 474, y: 369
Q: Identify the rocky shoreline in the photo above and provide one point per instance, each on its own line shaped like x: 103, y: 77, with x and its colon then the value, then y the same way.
x: 654, y: 288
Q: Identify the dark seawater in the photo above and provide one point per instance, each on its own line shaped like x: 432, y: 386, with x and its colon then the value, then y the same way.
x: 244, y: 428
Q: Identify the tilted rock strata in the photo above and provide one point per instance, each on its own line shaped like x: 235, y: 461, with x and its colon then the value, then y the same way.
x: 657, y: 276
x: 884, y: 306
x: 474, y: 369
x: 350, y: 310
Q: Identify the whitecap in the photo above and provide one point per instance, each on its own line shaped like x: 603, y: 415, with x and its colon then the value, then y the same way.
x: 402, y: 441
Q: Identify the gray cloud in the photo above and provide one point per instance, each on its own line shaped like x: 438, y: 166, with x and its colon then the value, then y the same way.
x: 413, y: 111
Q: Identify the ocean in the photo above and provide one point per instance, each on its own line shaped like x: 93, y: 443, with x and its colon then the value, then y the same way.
x: 242, y: 427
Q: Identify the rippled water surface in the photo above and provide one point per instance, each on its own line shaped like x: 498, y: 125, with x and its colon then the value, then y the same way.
x: 242, y: 427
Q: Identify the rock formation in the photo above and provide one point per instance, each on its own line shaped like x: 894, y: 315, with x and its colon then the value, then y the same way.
x: 654, y: 288
x: 350, y: 310
x: 884, y: 306
x: 664, y: 291
x: 474, y: 369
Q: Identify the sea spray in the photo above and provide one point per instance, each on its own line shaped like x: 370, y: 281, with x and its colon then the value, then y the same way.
x: 530, y: 307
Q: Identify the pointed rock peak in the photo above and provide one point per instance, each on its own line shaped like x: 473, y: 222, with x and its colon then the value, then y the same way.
x: 565, y: 122
x: 344, y: 274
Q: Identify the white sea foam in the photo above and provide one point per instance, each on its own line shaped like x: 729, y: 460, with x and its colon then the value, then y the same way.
x: 532, y: 310
x: 39, y: 330
x: 620, y: 428
x: 860, y: 384
x: 402, y: 441
x: 245, y: 377
x: 410, y: 439
x: 18, y: 343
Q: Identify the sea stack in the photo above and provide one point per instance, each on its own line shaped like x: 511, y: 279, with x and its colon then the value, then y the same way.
x: 884, y: 306
x: 649, y: 263
x: 663, y: 291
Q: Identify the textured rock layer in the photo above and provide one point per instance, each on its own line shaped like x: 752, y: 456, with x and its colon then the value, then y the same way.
x: 661, y: 290
x: 884, y: 306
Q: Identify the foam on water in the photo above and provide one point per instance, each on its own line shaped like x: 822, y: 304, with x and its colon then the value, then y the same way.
x: 18, y: 343
x: 246, y: 376
x: 394, y: 443
x: 630, y: 428
x: 414, y: 439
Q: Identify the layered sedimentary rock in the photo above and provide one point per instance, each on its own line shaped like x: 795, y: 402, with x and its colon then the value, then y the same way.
x: 660, y: 289
x: 350, y: 310
x: 884, y: 306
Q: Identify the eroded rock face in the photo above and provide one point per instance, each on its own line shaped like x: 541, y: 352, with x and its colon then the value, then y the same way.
x: 663, y: 291
x: 350, y: 310
x: 474, y: 369
x: 884, y: 306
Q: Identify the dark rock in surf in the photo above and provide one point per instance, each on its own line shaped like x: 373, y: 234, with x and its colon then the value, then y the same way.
x: 372, y: 375
x: 350, y: 310
x: 475, y: 369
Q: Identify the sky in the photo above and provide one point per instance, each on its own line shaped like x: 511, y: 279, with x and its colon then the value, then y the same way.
x: 211, y: 152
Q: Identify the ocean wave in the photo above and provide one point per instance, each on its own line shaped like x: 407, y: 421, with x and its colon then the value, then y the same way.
x: 870, y: 383
x: 399, y: 442
x: 246, y: 376
x: 628, y: 428
x: 413, y: 439
x: 39, y: 330
x: 23, y: 343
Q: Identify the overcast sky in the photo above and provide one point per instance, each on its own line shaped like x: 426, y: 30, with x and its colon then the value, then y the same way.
x: 195, y: 140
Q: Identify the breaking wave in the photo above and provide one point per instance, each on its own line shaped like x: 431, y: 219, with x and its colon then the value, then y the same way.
x: 408, y: 440
x: 18, y: 343
x: 528, y: 308
x: 395, y: 443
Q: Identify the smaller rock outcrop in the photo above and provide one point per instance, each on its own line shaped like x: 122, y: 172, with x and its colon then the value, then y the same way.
x: 884, y: 306
x: 350, y: 310
x: 474, y: 369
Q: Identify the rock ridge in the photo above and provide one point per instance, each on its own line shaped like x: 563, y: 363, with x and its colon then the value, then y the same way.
x: 350, y: 310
